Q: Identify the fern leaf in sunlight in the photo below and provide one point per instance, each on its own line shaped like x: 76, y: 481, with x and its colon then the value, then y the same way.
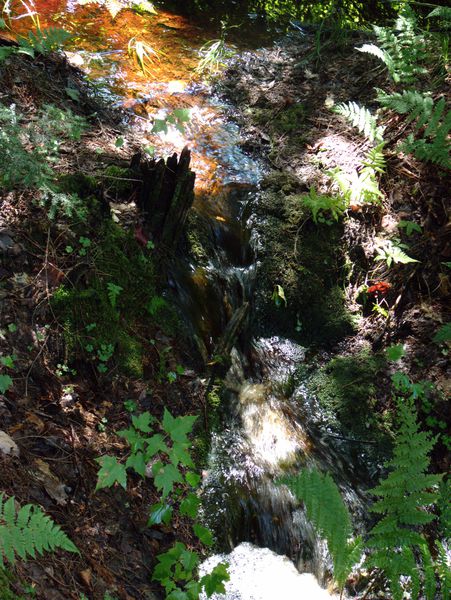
x: 361, y: 118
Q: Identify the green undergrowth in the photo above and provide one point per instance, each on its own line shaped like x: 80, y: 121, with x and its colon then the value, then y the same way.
x: 112, y: 306
x: 347, y: 389
x: 313, y: 269
x: 7, y: 580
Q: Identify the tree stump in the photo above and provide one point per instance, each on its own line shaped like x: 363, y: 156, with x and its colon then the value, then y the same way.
x: 166, y: 195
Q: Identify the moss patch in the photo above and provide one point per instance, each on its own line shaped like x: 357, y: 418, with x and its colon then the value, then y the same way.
x: 307, y: 261
x: 110, y: 308
x: 117, y: 180
x: 6, y: 582
x: 349, y: 389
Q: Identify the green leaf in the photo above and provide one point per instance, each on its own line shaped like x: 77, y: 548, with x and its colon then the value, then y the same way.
x: 160, y: 513
x: 7, y: 361
x: 410, y: 227
x: 133, y: 437
x: 182, y: 114
x: 394, y: 353
x: 155, y: 444
x: 5, y: 383
x: 165, y: 477
x: 111, y: 471
x: 443, y: 334
x: 137, y: 463
x: 189, y: 506
x: 72, y: 93
x: 179, y: 427
x: 178, y: 454
x: 204, y: 534
x: 143, y: 422
x: 213, y: 583
x: 193, y: 479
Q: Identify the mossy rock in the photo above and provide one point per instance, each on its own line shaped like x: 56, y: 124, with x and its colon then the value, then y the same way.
x: 93, y: 316
x: 306, y: 260
x: 348, y: 388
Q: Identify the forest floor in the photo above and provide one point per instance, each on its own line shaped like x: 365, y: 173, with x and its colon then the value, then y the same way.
x: 62, y: 413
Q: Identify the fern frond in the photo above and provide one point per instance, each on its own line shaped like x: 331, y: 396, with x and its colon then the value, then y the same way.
x: 28, y: 531
x: 360, y: 117
x: 434, y: 144
x: 328, y: 513
x: 402, y: 49
x: 403, y: 498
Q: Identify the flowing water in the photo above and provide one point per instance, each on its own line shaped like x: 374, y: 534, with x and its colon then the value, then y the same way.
x: 267, y: 425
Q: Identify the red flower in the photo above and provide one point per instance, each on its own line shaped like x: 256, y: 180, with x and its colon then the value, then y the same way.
x: 380, y: 287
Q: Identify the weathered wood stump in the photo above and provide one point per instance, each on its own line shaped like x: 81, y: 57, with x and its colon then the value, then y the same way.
x: 166, y: 195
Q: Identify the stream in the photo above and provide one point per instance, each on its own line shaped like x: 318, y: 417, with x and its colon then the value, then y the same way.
x: 267, y: 428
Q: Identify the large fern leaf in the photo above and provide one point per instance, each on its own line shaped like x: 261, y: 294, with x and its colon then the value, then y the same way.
x: 360, y: 117
x: 328, y: 513
x: 401, y: 48
x: 403, y: 498
x: 432, y: 123
x: 28, y: 531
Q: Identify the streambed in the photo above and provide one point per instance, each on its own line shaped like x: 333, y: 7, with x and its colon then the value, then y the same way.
x: 265, y: 430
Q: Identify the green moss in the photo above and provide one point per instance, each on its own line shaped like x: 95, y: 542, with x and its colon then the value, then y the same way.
x: 290, y: 119
x: 90, y: 317
x: 306, y: 260
x: 117, y: 180
x: 78, y: 183
x: 348, y: 389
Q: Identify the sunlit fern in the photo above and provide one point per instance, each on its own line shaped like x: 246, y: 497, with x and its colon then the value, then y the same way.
x: 361, y: 118
x: 401, y: 48
x: 143, y: 54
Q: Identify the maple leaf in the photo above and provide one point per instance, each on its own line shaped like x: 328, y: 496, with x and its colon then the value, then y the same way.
x: 111, y: 471
x: 165, y: 477
x: 177, y: 427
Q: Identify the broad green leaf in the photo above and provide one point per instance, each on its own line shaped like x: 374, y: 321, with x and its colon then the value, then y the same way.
x: 155, y: 444
x: 165, y: 477
x: 204, y: 534
x: 143, y: 422
x: 179, y: 454
x: 214, y: 581
x: 192, y: 478
x: 5, y: 383
x: 182, y: 114
x: 410, y: 227
x: 159, y: 126
x: 178, y: 427
x: 137, y: 463
x: 189, y: 506
x: 443, y: 334
x: 189, y: 560
x: 394, y: 353
x: 133, y: 437
x: 111, y: 471
x: 160, y: 513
